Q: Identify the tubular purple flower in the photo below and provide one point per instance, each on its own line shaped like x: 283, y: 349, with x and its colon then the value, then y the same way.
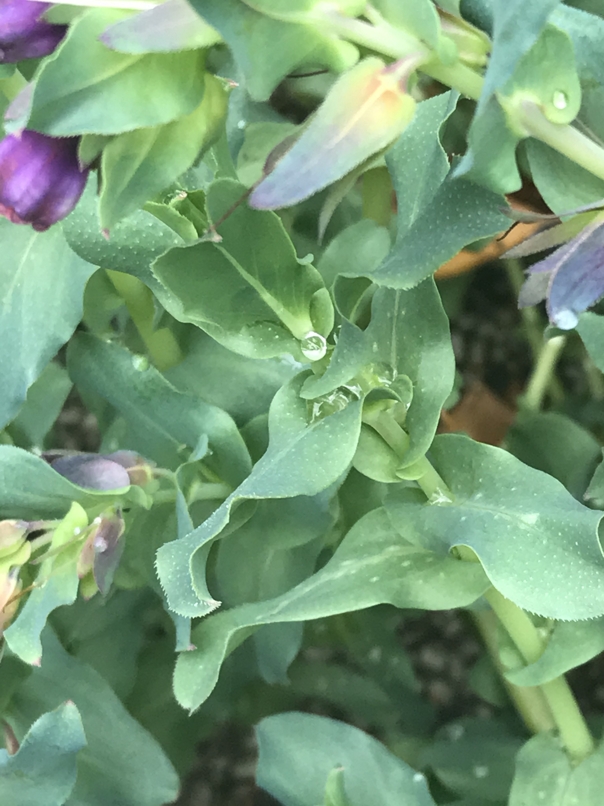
x: 23, y: 35
x: 41, y: 179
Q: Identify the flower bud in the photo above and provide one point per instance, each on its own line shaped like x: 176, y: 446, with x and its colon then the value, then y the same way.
x: 102, y: 550
x: 92, y: 471
x: 23, y: 34
x: 40, y: 178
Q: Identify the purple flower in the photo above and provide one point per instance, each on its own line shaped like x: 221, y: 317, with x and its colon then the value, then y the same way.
x: 23, y: 35
x: 570, y: 280
x: 109, y: 471
x: 40, y: 178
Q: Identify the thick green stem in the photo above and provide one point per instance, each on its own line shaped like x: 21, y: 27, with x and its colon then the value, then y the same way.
x: 563, y: 138
x: 573, y: 729
x: 557, y: 693
x: 543, y: 372
x: 529, y: 700
x: 161, y: 344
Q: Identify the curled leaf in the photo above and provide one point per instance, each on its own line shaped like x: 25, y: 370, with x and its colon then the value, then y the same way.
x: 364, y: 112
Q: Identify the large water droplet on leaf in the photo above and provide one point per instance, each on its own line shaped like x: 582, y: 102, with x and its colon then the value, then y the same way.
x: 313, y: 346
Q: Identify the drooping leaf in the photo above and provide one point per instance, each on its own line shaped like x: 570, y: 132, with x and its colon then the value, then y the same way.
x: 537, y: 544
x: 44, y: 768
x: 371, y: 774
x: 365, y: 111
x: 172, y: 25
x: 86, y: 88
x: 249, y: 292
x: 31, y: 489
x: 139, y: 164
x: 545, y: 774
x: 569, y: 645
x: 372, y: 565
x: 437, y: 214
x: 42, y: 288
x: 266, y: 50
x: 130, y: 769
x: 303, y: 458
x: 160, y: 417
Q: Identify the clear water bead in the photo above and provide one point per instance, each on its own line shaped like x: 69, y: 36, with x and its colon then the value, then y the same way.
x: 313, y: 346
x: 140, y: 362
x: 559, y: 100
x: 481, y: 771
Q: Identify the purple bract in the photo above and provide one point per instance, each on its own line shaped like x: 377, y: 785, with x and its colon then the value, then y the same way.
x: 40, y: 178
x: 23, y: 35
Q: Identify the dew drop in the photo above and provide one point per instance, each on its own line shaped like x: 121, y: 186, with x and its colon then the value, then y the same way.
x: 140, y: 363
x: 480, y: 771
x: 313, y: 346
x: 418, y: 778
x: 241, y: 124
x: 560, y: 100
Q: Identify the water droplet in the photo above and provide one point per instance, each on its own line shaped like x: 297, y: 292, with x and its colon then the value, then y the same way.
x: 418, y: 778
x: 455, y: 732
x: 560, y: 100
x: 481, y: 771
x: 241, y: 124
x: 140, y: 362
x: 313, y: 346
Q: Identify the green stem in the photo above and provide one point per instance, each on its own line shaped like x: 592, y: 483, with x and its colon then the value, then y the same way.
x: 543, y: 372
x: 556, y: 693
x: 396, y: 43
x: 568, y: 717
x: 529, y: 700
x: 161, y: 344
x: 563, y: 138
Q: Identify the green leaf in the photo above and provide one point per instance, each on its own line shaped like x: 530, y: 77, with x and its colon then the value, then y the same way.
x: 360, y: 247
x: 302, y: 459
x: 407, y: 337
x: 269, y: 554
x: 56, y: 584
x: 43, y: 770
x: 159, y: 416
x: 85, y: 88
x: 130, y: 768
x: 133, y: 244
x: 586, y: 32
x: 510, y: 45
x: 591, y: 330
x: 172, y: 25
x: 139, y: 164
x: 266, y: 50
x: 371, y: 566
x: 31, y: 489
x: 569, y: 645
x: 563, y: 184
x: 43, y: 404
x: 557, y: 445
x: 475, y: 758
x: 545, y: 774
x: 299, y: 751
x: 437, y: 215
x: 244, y: 387
x: 537, y: 544
x: 42, y: 288
x: 107, y: 633
x: 335, y: 789
x: 250, y: 292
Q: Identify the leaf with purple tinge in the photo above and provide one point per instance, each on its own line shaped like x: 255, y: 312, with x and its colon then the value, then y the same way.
x: 170, y: 26
x: 571, y: 279
x: 364, y: 112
